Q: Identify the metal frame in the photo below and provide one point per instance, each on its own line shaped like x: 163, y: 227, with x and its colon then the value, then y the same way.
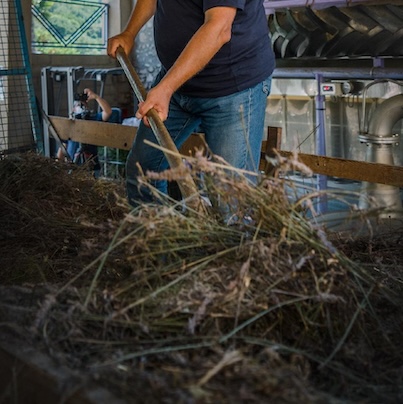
x: 15, y: 66
x: 71, y: 74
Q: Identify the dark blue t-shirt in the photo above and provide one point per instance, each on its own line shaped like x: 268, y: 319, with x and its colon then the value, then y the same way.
x: 240, y: 64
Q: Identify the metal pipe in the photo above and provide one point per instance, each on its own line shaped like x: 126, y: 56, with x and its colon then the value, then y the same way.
x: 363, y: 128
x: 321, y: 141
x: 272, y: 5
x: 337, y: 73
x: 386, y: 116
x: 320, y: 119
x: 380, y: 141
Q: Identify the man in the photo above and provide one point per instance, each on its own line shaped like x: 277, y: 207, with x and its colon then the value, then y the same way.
x: 86, y: 153
x: 216, y: 71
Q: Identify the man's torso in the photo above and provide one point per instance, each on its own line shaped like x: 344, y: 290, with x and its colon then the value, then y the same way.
x: 242, y: 63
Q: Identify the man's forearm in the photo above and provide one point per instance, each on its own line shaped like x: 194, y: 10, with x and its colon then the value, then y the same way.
x: 206, y: 42
x: 106, y: 108
x: 142, y: 12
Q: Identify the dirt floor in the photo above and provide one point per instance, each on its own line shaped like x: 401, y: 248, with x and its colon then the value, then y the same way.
x: 101, y: 303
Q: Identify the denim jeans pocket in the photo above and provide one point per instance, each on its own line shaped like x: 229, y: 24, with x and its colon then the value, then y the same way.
x: 267, y: 86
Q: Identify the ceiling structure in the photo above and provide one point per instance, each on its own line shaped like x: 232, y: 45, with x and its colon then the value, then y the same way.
x: 334, y: 29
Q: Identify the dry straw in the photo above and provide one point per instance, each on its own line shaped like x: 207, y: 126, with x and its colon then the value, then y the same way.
x: 251, y: 301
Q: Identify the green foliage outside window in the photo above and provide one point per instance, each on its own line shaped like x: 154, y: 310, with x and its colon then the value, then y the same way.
x: 69, y: 27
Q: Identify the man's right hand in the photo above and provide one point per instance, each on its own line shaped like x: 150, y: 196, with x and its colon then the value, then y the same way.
x: 124, y: 39
x: 157, y: 98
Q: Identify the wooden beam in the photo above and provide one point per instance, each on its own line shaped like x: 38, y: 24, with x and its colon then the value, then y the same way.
x: 29, y: 376
x: 93, y: 132
x: 351, y: 169
x: 110, y: 134
x: 121, y: 137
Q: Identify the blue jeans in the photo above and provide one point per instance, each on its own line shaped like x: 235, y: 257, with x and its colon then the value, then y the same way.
x: 233, y: 126
x: 72, y: 148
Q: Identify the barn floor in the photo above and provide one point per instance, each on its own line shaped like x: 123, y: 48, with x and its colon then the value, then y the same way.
x: 99, y: 304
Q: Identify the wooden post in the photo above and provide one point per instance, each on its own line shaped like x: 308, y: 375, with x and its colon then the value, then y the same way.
x: 272, y: 143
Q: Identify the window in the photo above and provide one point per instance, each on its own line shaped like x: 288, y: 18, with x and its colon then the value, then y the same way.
x: 69, y: 27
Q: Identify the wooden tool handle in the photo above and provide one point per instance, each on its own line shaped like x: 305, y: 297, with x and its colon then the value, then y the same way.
x: 186, y: 185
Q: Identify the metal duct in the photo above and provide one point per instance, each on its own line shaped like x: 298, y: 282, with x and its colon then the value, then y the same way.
x: 380, y: 140
x: 347, y: 73
x: 272, y: 5
x: 386, y: 116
